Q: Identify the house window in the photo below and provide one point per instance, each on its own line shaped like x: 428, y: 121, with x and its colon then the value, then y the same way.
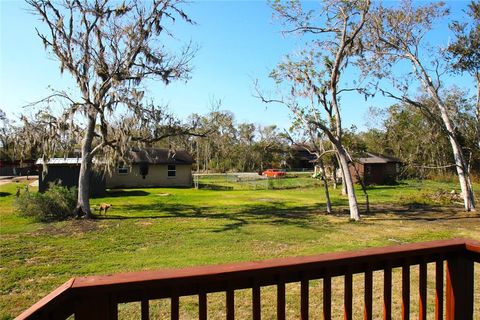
x: 122, y: 170
x: 172, y: 170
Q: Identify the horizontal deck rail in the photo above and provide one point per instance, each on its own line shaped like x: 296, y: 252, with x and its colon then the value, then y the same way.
x: 97, y: 297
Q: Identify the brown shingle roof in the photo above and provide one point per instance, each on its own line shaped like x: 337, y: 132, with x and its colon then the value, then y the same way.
x: 161, y: 156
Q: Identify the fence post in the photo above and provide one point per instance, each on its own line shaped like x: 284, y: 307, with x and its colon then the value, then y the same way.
x: 459, y: 291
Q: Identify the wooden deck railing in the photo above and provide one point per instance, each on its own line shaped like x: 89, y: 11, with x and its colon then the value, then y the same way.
x: 97, y: 297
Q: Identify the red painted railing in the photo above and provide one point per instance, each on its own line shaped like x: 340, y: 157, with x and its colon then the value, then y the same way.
x: 97, y: 297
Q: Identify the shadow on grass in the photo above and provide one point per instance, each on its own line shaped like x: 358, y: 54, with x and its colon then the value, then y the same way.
x: 5, y: 194
x: 124, y: 193
x: 420, y: 212
x: 212, y: 186
x: 275, y: 213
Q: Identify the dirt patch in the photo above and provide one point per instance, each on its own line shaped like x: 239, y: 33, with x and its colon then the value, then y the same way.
x: 267, y: 200
x: 163, y: 194
x: 144, y: 223
x: 74, y: 226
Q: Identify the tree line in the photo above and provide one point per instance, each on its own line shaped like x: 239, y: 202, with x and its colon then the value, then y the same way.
x: 351, y: 47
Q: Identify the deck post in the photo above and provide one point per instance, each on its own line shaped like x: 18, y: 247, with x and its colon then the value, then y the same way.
x: 96, y: 308
x: 459, y: 291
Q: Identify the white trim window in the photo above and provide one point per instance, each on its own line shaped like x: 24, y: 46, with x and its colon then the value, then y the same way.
x: 171, y: 171
x: 122, y: 170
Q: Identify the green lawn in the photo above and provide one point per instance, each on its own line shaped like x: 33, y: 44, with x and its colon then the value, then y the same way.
x: 158, y: 228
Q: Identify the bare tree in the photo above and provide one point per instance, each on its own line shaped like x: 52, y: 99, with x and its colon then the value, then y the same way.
x: 109, y: 48
x: 397, y: 36
x: 463, y: 54
x: 314, y: 80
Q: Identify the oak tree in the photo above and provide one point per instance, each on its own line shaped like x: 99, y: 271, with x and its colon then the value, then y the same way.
x: 314, y: 82
x: 110, y: 48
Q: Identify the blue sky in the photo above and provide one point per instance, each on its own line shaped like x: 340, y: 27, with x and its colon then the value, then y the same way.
x: 239, y: 41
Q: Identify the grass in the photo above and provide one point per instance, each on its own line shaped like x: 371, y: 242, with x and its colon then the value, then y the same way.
x: 157, y: 228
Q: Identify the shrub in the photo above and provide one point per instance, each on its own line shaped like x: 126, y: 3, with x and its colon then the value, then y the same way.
x: 57, y: 203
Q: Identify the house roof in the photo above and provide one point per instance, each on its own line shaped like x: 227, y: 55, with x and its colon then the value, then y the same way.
x: 376, y: 158
x: 151, y: 156
x: 161, y: 156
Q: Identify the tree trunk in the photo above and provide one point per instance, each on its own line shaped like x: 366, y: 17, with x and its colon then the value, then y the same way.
x: 461, y: 165
x: 344, y: 185
x: 325, y: 185
x: 364, y: 189
x: 83, y: 202
x: 348, y: 182
x: 334, y: 177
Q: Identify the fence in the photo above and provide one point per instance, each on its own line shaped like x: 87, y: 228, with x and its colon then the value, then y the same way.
x: 253, y: 181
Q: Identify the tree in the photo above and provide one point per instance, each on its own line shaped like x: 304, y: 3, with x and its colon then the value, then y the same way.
x: 463, y: 54
x: 314, y: 81
x: 396, y: 35
x: 6, y: 134
x: 110, y: 48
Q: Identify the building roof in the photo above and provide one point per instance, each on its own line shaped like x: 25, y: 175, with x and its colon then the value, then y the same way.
x: 376, y: 158
x: 151, y: 156
x: 60, y: 161
x: 161, y: 156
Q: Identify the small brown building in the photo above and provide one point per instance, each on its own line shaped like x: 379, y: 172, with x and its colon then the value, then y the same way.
x: 375, y: 169
x: 153, y: 168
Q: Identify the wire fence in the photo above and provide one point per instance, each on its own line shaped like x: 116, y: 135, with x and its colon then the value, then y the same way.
x: 253, y: 181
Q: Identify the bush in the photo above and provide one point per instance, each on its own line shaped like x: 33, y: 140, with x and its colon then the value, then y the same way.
x: 57, y: 203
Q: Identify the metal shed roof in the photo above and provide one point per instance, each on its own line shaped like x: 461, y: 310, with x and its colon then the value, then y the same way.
x: 60, y: 161
x: 377, y: 158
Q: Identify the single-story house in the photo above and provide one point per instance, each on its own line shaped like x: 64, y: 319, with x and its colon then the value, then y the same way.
x: 300, y: 159
x: 66, y: 171
x: 153, y: 168
x: 375, y: 168
x: 146, y: 168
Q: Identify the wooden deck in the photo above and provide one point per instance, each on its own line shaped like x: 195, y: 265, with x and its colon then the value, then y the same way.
x: 97, y: 297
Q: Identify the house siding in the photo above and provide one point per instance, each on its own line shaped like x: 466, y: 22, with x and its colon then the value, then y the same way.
x: 157, y: 177
x: 379, y: 173
x: 67, y: 176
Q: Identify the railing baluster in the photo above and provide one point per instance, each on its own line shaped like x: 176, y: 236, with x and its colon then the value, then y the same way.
x: 281, y: 301
x: 347, y: 296
x: 145, y: 309
x: 439, y: 290
x: 304, y: 299
x: 175, y: 306
x: 460, y: 274
x: 405, y: 292
x: 256, y: 302
x: 327, y: 298
x: 367, y: 313
x: 96, y: 307
x: 422, y: 288
x: 230, y: 304
x: 387, y: 292
x: 202, y: 306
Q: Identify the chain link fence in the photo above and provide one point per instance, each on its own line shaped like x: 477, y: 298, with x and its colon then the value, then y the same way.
x: 253, y: 181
